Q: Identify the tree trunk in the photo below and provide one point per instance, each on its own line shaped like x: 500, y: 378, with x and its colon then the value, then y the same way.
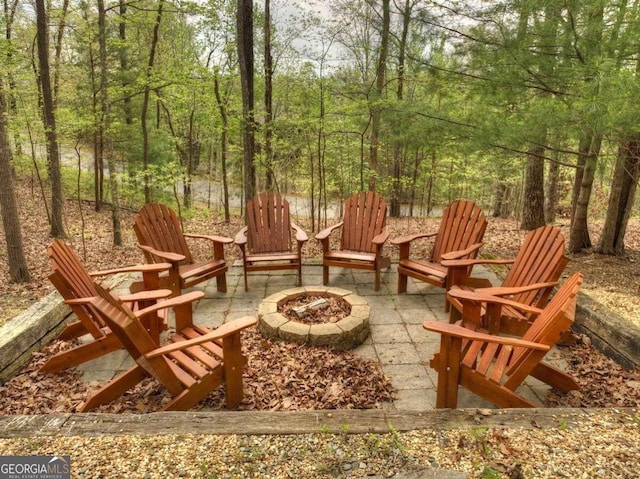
x: 18, y: 270
x: 499, y: 200
x: 104, y: 125
x: 414, y: 177
x: 583, y: 153
x: 11, y: 94
x: 551, y: 196
x: 62, y: 21
x: 268, y: 98
x: 145, y: 103
x: 244, y: 27
x: 621, y: 199
x: 124, y: 61
x: 533, y: 194
x: 376, y: 112
x: 98, y: 127
x: 223, y: 146
x: 579, y: 238
x: 394, y: 207
x: 57, y: 227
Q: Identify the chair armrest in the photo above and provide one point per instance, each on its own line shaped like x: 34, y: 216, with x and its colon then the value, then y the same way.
x: 452, y: 263
x: 79, y: 300
x: 172, y: 258
x: 214, y: 238
x: 381, y: 238
x: 324, y: 234
x: 506, y: 291
x: 138, y: 268
x: 454, y: 330
x: 227, y: 329
x: 171, y: 302
x: 241, y: 236
x: 301, y: 236
x: 476, y: 297
x: 451, y: 255
x: 409, y: 239
x: 152, y: 295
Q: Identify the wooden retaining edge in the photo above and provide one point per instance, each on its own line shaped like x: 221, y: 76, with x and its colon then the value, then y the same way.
x: 29, y: 332
x: 300, y: 422
x: 612, y: 334
x: 34, y: 328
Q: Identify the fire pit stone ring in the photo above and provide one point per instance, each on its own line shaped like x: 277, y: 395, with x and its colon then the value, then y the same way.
x: 344, y: 334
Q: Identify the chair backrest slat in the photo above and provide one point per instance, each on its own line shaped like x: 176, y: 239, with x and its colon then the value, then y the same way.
x: 72, y: 280
x: 540, y: 259
x: 268, y: 224
x: 556, y: 318
x: 463, y: 224
x: 156, y: 225
x: 364, y: 218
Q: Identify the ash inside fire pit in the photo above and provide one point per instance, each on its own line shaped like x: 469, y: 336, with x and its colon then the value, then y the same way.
x: 315, y: 309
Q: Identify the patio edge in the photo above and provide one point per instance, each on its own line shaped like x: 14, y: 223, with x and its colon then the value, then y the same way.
x: 376, y: 421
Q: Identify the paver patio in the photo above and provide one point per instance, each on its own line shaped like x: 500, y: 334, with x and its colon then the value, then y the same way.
x: 397, y: 340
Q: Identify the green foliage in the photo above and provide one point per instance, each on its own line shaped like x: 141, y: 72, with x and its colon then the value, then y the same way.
x: 489, y: 472
x: 482, y: 84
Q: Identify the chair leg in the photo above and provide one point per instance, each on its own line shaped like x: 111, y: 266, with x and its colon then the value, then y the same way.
x: 454, y: 315
x: 246, y: 283
x: 448, y: 372
x: 555, y: 378
x: 299, y: 274
x: 192, y: 395
x: 114, y: 388
x: 73, y: 330
x: 221, y: 283
x: 325, y: 275
x: 402, y: 283
x: 233, y: 362
x: 376, y: 286
x: 81, y: 354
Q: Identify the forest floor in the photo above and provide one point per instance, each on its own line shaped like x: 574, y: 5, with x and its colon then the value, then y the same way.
x: 612, y: 281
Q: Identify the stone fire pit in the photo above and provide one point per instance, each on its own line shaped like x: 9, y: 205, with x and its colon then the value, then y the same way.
x: 341, y: 335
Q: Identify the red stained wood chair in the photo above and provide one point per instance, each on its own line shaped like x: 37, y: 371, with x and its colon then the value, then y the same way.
x: 493, y: 366
x: 459, y: 236
x: 161, y: 239
x: 364, y: 233
x: 195, y: 361
x: 265, y: 242
x: 530, y: 280
x: 72, y: 280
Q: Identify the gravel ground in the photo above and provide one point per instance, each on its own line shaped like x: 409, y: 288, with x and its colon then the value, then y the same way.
x: 605, y: 445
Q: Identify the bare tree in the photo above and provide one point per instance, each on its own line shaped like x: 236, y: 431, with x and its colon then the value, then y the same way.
x: 145, y: 102
x: 18, y: 269
x: 57, y: 227
x: 244, y: 28
x: 376, y: 113
x: 104, y: 126
x: 268, y: 97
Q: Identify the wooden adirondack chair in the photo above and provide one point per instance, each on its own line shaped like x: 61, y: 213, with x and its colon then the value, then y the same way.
x: 459, y: 236
x: 530, y: 279
x: 72, y: 280
x: 190, y: 366
x: 364, y: 233
x: 493, y: 366
x: 162, y: 240
x: 265, y: 242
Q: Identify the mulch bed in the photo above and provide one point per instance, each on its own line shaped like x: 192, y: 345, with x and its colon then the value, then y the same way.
x: 279, y: 376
